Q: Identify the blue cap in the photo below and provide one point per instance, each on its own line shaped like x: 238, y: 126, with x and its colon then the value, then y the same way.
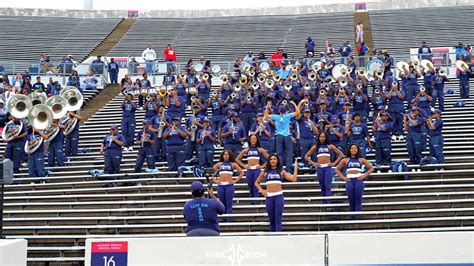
x: 415, y: 101
x: 436, y: 111
x: 356, y: 114
x: 259, y: 114
x: 381, y: 107
x: 114, y: 126
x: 177, y: 118
x: 235, y: 115
x: 387, y: 115
x: 306, y: 110
x: 197, y: 186
x: 146, y: 122
x: 282, y: 109
x: 347, y: 103
x: 415, y: 109
x: 206, y: 120
x: 334, y: 118
x: 152, y: 94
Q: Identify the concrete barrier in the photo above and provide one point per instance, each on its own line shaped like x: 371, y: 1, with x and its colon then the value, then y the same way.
x: 249, y: 250
x: 13, y: 252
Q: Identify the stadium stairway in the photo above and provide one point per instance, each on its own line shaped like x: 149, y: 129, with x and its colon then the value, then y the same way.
x: 57, y: 213
x: 364, y: 17
x: 112, y: 38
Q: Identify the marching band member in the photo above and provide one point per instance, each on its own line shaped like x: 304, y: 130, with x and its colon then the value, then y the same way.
x: 283, y: 142
x: 14, y: 149
x: 352, y: 65
x: 435, y: 125
x: 55, y: 147
x: 205, y: 142
x: 204, y: 87
x: 158, y: 125
x: 193, y: 123
x: 146, y: 138
x: 411, y: 86
x: 36, y: 158
x: 378, y: 98
x: 175, y: 138
x: 387, y: 62
x: 180, y: 86
x: 354, y: 177
x: 359, y: 104
x: 382, y: 129
x: 248, y: 108
x: 323, y: 164
x: 216, y: 104
x: 255, y: 154
x: 273, y: 177
x: 146, y: 84
x: 233, y: 134
x: 342, y: 97
x: 151, y: 106
x: 226, y: 89
x: 358, y: 133
x: 174, y: 105
x: 428, y: 77
x: 225, y: 169
x: 128, y: 121
x: 263, y: 130
x: 335, y: 131
x: 306, y: 130
x: 463, y: 76
x: 169, y: 79
x: 424, y: 100
x: 438, y: 89
x: 72, y: 139
x: 111, y: 148
x: 395, y: 97
x: 412, y: 125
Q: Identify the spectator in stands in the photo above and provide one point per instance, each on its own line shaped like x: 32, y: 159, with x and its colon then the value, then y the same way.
x: 146, y: 139
x: 51, y: 87
x: 169, y: 79
x: 225, y: 169
x: 382, y: 130
x: 283, y: 141
x: 345, y: 51
x: 26, y: 87
x: 438, y: 90
x: 189, y: 66
x: 329, y: 47
x: 90, y: 82
x: 3, y: 113
x: 412, y: 124
x: 67, y: 64
x: 6, y: 79
x: 128, y: 121
x: 170, y: 57
x: 149, y: 56
x: 323, y: 149
x: 249, y: 57
x: 38, y: 86
x: 354, y: 177
x: 55, y: 147
x: 201, y: 213
x: 45, y: 65
x: 111, y: 148
x: 17, y: 81
x: 362, y: 49
x: 175, y: 136
x: 36, y: 158
x: 309, y: 45
x: 261, y: 56
x: 133, y: 66
x: 463, y: 76
x: 113, y: 69
x: 74, y: 80
x: 360, y: 32
x: 461, y: 51
x: 435, y: 126
x: 424, y: 52
x: 273, y: 177
x: 277, y: 57
x: 15, y: 147
x: 237, y: 65
x: 97, y: 65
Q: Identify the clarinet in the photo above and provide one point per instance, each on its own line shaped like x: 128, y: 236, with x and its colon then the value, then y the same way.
x: 232, y: 128
x: 111, y: 139
x: 202, y: 135
x: 298, y: 133
x: 143, y: 137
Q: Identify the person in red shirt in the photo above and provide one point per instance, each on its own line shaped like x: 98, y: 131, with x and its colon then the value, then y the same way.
x: 277, y: 57
x: 170, y: 57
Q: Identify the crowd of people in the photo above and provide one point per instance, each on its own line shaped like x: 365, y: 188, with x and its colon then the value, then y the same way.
x: 265, y: 115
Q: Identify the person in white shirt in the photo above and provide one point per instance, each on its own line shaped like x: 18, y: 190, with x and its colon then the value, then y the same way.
x: 149, y: 56
x: 249, y: 57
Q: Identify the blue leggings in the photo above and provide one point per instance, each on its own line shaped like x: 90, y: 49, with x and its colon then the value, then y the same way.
x: 275, y: 207
x: 354, y: 190
x: 325, y: 175
x: 252, y: 175
x: 226, y: 195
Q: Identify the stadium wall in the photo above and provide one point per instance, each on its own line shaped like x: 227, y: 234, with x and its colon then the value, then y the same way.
x: 371, y: 5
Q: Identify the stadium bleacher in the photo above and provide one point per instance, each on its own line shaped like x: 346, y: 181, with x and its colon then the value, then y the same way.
x: 57, y: 214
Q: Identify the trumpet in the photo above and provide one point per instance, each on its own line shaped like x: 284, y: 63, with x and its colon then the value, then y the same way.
x: 294, y: 76
x: 307, y: 86
x: 193, y: 98
x: 377, y: 91
x: 205, y: 76
x: 162, y: 92
x: 306, y: 103
x: 261, y: 78
x: 294, y: 67
x: 422, y: 89
x: 269, y: 83
x: 442, y: 72
x: 312, y: 75
x: 213, y: 94
x: 252, y: 73
x: 276, y: 77
x: 255, y: 85
x: 284, y: 102
x: 224, y: 78
x: 379, y: 73
x: 237, y: 87
x: 322, y: 92
x: 148, y: 98
x: 325, y: 85
x: 288, y: 86
x: 342, y: 91
x: 249, y: 98
x: 182, y: 75
x: 343, y: 82
x: 269, y: 73
x: 359, y: 86
x: 361, y: 71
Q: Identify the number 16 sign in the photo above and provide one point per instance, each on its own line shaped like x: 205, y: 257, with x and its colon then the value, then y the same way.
x: 109, y: 253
